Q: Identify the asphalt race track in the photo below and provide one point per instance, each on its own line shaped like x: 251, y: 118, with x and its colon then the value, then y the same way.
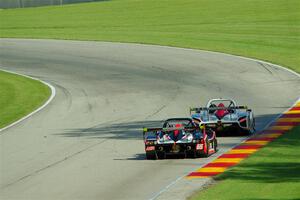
x: 87, y: 143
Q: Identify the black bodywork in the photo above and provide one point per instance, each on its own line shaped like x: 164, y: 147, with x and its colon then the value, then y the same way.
x: 186, y: 140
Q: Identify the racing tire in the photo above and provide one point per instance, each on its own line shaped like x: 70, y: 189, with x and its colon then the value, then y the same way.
x: 151, y: 156
x: 252, y: 129
x: 215, y: 145
x: 184, y: 155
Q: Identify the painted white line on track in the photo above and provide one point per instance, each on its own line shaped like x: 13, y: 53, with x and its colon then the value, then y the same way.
x: 166, y: 188
x: 53, y: 93
x: 245, y: 58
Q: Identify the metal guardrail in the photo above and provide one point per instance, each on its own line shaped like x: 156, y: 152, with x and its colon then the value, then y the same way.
x: 36, y: 3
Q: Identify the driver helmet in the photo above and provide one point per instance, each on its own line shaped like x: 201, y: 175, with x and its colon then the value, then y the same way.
x: 196, y: 119
x: 176, y: 132
x: 222, y: 112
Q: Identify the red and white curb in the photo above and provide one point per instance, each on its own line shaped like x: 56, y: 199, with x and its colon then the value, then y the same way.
x: 53, y: 93
x: 281, y: 125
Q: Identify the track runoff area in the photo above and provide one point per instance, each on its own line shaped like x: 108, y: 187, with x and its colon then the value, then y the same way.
x: 280, y: 126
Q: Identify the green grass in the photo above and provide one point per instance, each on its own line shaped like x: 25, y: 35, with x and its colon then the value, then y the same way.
x: 264, y: 29
x: 19, y: 96
x: 271, y: 173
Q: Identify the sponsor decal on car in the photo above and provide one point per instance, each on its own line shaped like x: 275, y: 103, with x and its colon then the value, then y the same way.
x: 199, y: 146
x: 150, y: 148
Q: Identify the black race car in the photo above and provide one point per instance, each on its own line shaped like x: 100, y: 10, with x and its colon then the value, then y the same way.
x: 180, y: 136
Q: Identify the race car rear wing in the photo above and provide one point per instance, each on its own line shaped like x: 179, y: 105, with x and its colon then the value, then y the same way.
x: 199, y: 109
x: 155, y: 130
x: 147, y: 131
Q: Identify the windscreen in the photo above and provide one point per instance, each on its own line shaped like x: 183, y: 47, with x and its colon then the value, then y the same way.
x: 224, y: 103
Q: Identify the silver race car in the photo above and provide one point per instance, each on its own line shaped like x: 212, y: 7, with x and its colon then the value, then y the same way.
x: 224, y: 115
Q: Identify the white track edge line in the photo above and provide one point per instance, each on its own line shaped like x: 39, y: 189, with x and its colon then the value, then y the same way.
x: 187, y: 49
x: 209, y: 179
x: 162, y: 46
x: 276, y: 118
x: 53, y: 94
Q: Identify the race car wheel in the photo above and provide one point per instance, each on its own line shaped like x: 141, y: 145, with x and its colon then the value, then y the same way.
x: 184, y: 155
x: 252, y: 128
x: 151, y: 156
x: 215, y: 145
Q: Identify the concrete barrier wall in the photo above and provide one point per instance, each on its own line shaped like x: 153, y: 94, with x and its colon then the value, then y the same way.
x: 35, y: 3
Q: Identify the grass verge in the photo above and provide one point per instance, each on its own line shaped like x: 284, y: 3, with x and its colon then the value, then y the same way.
x: 263, y: 29
x: 271, y: 173
x: 19, y: 97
